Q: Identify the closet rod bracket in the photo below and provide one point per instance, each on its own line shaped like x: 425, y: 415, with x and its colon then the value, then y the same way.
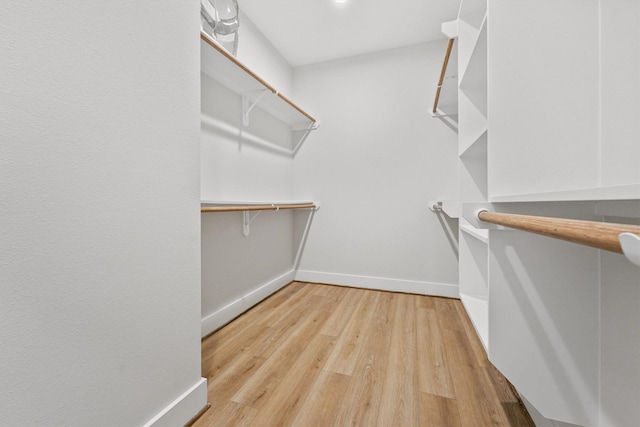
x: 247, y: 218
x: 630, y: 244
x: 248, y: 104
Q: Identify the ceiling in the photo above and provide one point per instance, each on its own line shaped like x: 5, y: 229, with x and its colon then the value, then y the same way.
x: 310, y: 31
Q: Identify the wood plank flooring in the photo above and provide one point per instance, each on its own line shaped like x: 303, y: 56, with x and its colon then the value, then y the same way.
x: 318, y: 355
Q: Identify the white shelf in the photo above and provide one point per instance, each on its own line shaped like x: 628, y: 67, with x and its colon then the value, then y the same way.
x: 478, y: 311
x: 451, y: 208
x: 477, y: 148
x: 619, y: 192
x: 252, y: 203
x: 220, y: 65
x: 468, y: 32
x: 480, y: 234
x: 471, y: 8
x: 474, y: 73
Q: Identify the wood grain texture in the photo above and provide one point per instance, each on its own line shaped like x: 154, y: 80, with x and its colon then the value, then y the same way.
x: 403, y: 360
x: 433, y: 370
x: 366, y: 384
x: 443, y: 72
x: 600, y: 235
x: 349, y: 344
x: 399, y: 395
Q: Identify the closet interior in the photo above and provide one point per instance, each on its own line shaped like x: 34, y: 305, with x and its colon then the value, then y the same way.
x: 535, y: 113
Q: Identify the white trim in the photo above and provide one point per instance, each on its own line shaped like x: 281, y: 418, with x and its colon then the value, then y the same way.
x: 380, y: 283
x: 213, y: 321
x: 184, y: 408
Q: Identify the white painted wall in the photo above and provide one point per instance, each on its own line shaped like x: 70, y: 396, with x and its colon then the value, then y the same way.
x: 375, y: 161
x: 257, y: 52
x: 99, y: 256
x: 239, y: 271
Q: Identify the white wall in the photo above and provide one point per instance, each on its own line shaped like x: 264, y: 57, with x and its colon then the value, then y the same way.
x: 375, y: 161
x: 239, y: 271
x: 257, y: 52
x: 99, y: 256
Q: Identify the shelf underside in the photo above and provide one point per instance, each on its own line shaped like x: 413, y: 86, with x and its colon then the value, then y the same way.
x: 219, y: 64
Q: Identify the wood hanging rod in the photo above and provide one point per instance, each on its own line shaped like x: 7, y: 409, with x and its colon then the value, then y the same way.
x: 598, y: 235
x: 442, y: 74
x: 247, y: 70
x: 271, y: 207
x: 233, y: 59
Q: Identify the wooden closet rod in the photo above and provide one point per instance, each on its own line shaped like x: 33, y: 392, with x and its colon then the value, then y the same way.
x: 442, y: 73
x: 233, y: 59
x: 259, y: 79
x: 599, y: 235
x: 240, y: 208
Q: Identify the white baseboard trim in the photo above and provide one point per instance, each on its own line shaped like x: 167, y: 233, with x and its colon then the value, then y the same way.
x: 379, y: 283
x: 184, y: 408
x: 232, y: 310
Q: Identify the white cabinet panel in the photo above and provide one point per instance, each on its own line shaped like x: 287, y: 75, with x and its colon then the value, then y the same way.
x: 543, y: 103
x: 620, y: 370
x: 620, y: 47
x: 543, y: 322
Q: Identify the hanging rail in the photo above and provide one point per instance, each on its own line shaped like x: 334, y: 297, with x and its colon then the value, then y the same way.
x: 266, y: 207
x: 260, y: 80
x: 233, y: 59
x: 590, y: 233
x: 442, y: 73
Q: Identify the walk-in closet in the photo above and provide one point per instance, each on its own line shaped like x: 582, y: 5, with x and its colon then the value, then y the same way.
x: 320, y: 213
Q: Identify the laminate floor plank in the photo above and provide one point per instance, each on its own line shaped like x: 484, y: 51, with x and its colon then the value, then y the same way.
x: 298, y: 299
x: 320, y: 355
x: 342, y: 313
x: 331, y: 298
x: 473, y: 339
x: 230, y: 414
x: 296, y: 382
x: 364, y: 391
x: 226, y: 383
x: 438, y: 411
x: 257, y: 389
x: 349, y: 345
x: 433, y: 370
x: 220, y: 354
x: 274, y: 336
x: 399, y: 395
x: 425, y: 301
x: 323, y: 401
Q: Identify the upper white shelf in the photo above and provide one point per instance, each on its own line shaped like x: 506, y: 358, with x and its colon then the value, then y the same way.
x: 219, y: 64
x: 475, y: 69
x: 620, y: 192
x: 227, y: 206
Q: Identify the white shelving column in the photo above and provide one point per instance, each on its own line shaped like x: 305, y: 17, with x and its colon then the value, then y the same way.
x: 472, y: 167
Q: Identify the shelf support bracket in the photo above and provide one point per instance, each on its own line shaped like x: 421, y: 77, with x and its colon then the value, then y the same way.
x: 246, y: 222
x: 306, y: 131
x: 248, y: 104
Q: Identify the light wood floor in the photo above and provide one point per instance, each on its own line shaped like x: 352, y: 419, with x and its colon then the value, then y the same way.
x: 318, y: 355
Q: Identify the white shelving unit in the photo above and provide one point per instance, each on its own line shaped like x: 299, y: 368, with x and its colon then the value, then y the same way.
x: 472, y: 167
x: 220, y: 65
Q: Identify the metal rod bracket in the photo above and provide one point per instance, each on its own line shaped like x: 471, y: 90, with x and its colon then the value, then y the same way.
x: 247, y: 218
x: 248, y: 104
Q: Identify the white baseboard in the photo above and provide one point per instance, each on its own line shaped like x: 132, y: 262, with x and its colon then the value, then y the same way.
x: 184, y: 408
x: 227, y: 313
x: 379, y: 283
